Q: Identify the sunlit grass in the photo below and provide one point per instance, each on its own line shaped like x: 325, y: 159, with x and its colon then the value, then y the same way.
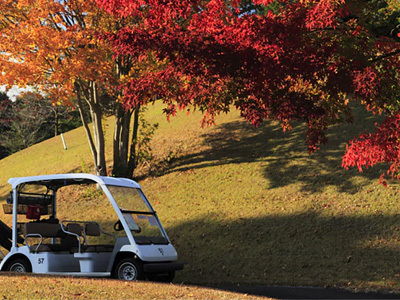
x: 250, y: 206
x: 46, y: 288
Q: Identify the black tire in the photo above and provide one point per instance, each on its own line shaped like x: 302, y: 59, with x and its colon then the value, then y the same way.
x: 20, y: 265
x: 167, y: 277
x: 129, y: 269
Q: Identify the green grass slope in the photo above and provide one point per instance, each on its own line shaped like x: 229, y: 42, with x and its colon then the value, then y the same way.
x: 250, y: 206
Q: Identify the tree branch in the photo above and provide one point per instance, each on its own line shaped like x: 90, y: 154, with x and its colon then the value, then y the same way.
x: 383, y: 56
x: 84, y: 123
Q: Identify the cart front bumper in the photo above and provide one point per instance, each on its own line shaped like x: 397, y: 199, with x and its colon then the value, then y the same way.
x: 162, y: 267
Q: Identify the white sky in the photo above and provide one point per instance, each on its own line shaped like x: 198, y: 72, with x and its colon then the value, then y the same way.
x: 14, y: 92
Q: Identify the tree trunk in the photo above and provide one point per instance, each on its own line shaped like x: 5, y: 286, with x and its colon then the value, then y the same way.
x: 56, y: 122
x: 94, y: 103
x: 116, y: 141
x: 132, y: 163
x: 124, y: 143
x: 121, y: 141
x: 97, y: 146
x: 122, y: 126
x: 85, y: 124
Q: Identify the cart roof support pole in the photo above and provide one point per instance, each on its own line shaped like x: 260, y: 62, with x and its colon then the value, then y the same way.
x: 14, y: 221
x: 54, y: 210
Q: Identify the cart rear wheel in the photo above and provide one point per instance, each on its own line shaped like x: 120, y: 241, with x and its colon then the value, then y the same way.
x: 20, y: 265
x: 129, y: 269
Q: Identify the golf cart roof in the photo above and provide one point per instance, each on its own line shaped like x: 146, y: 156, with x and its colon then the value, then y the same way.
x: 57, y: 181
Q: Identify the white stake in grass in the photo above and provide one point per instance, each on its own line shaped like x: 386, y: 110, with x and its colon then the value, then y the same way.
x: 63, y: 140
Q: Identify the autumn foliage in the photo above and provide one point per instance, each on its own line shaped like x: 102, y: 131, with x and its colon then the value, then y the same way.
x: 214, y: 56
x: 56, y: 46
x: 382, y: 146
x: 280, y: 60
x: 49, y: 45
x: 271, y: 59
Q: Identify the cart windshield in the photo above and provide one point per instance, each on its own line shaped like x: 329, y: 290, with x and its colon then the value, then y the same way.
x: 138, y: 214
x: 129, y: 198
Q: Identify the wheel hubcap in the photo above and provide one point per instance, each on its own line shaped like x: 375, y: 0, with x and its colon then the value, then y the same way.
x: 127, y: 272
x: 18, y: 267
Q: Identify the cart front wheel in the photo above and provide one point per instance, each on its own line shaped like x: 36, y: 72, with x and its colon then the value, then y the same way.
x: 20, y: 265
x: 129, y: 269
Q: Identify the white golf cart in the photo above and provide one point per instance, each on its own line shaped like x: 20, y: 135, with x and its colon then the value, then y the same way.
x: 137, y: 248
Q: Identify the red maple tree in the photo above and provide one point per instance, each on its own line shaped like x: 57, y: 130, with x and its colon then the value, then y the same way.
x: 280, y: 60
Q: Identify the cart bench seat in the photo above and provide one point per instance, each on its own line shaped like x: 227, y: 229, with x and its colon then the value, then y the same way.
x: 44, y: 230
x: 48, y: 230
x: 69, y: 243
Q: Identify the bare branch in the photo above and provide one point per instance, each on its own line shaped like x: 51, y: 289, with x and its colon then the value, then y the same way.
x: 383, y: 56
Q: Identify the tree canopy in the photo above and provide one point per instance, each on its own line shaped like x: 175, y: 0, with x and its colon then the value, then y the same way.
x: 51, y: 45
x: 54, y: 46
x: 271, y: 59
x: 281, y: 60
x: 57, y: 47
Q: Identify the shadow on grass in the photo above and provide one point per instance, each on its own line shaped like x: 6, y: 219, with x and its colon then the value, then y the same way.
x: 302, y: 249
x: 305, y: 249
x: 284, y: 154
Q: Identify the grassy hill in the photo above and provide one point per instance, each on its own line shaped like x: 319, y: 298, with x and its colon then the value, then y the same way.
x: 250, y: 206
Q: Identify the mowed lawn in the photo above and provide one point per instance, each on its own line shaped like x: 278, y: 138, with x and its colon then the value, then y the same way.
x: 46, y: 288
x: 248, y: 205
